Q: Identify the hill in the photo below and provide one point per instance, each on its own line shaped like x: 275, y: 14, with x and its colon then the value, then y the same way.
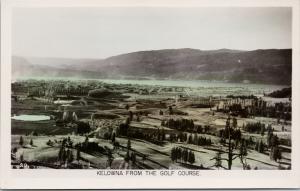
x: 271, y: 66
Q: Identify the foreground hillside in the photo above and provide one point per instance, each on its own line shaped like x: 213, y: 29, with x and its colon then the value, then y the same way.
x: 93, y: 124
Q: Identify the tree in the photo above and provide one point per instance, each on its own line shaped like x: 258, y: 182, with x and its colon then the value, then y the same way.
x: 229, y: 133
x: 185, y: 155
x: 262, y: 130
x: 218, y: 160
x: 113, y: 137
x: 273, y: 140
x: 31, y: 142
x: 110, y: 157
x: 127, y: 157
x: 261, y: 147
x: 275, y: 154
x: 128, y: 144
x: 74, y: 116
x: 173, y: 154
x: 21, y: 142
x: 190, y: 139
x: 191, y: 157
x: 130, y: 116
x: 243, y: 153
x: 234, y: 123
x: 14, y: 150
x: 66, y: 116
x: 70, y: 157
x: 34, y: 133
x: 49, y: 143
x: 21, y: 157
x: 138, y: 118
x: 82, y: 127
x: 195, y: 140
x: 86, y: 141
x: 170, y: 110
x: 60, y: 153
x: 161, y: 112
x: 230, y: 147
x: 163, y: 135
x: 78, y: 155
x: 133, y: 157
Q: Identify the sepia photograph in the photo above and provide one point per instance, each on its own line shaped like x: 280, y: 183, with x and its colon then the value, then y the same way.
x: 178, y: 89
x: 160, y: 88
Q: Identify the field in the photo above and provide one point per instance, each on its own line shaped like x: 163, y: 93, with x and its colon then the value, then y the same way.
x: 107, y: 124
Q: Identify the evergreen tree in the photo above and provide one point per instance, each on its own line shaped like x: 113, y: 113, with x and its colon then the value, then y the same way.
x: 113, y: 138
x: 130, y: 115
x: 257, y: 146
x: 127, y: 157
x: 70, y: 156
x: 163, y: 134
x: 161, y: 112
x: 190, y: 140
x: 133, y: 157
x: 195, y: 140
x: 234, y: 123
x: 243, y: 153
x: 191, y: 157
x: 185, y: 155
x: 262, y: 130
x: 110, y: 157
x: 261, y: 147
x: 218, y: 160
x: 60, y: 154
x: 170, y: 110
x: 128, y: 144
x: 173, y: 154
x: 78, y: 155
x: 275, y: 153
x: 21, y: 142
x: 21, y: 157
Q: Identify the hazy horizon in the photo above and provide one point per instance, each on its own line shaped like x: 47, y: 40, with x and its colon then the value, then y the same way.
x: 85, y: 58
x: 99, y: 33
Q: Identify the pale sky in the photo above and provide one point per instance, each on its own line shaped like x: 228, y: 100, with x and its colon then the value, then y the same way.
x: 104, y: 32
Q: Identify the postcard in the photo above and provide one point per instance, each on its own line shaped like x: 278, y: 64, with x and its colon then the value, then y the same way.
x: 149, y: 94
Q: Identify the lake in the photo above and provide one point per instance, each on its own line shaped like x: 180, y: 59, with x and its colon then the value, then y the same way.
x: 206, y: 88
x: 192, y: 87
x: 31, y: 117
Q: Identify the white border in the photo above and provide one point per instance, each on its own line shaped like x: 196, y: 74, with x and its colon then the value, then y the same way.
x: 83, y: 179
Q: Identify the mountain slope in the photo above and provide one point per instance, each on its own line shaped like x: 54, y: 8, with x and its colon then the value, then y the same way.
x: 259, y: 66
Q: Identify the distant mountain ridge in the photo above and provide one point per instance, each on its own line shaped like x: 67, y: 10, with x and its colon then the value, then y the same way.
x: 269, y: 66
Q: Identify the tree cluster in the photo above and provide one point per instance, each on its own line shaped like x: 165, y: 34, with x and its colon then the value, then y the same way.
x: 256, y: 127
x: 90, y: 147
x: 83, y: 128
x: 260, y: 146
x: 186, y: 125
x: 179, y: 124
x: 199, y: 140
x: 273, y: 143
x: 259, y: 107
x: 283, y: 93
x: 65, y: 155
x: 182, y: 155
